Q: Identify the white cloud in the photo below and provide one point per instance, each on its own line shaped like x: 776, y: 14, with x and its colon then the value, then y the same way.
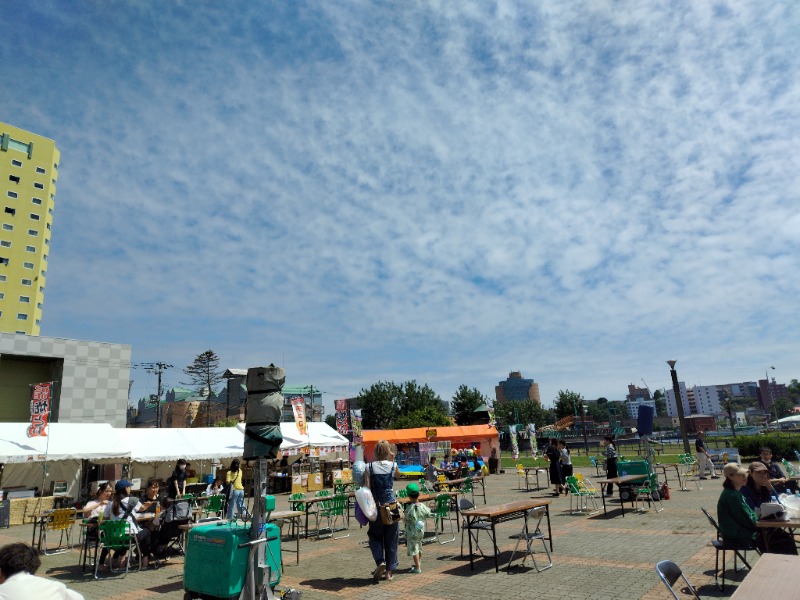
x: 442, y: 192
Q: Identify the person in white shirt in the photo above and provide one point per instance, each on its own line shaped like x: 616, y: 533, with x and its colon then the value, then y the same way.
x: 18, y: 563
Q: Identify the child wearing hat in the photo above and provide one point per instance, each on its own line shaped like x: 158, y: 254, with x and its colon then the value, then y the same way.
x: 415, y: 516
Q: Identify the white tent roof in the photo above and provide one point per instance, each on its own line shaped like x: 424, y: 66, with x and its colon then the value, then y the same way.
x: 64, y: 441
x: 319, y: 434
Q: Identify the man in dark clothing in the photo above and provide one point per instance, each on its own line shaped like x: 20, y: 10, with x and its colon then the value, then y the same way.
x: 778, y: 480
x: 703, y: 457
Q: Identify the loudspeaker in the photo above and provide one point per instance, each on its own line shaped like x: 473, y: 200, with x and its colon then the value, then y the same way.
x: 644, y: 423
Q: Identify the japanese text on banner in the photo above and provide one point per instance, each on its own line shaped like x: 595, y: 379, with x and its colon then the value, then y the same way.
x: 299, y: 408
x: 40, y: 408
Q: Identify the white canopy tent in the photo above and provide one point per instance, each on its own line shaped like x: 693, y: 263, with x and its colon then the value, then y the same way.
x: 64, y: 447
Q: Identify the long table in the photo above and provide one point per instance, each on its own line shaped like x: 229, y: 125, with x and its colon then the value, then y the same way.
x: 771, y: 525
x: 773, y: 576
x: 501, y: 513
x: 617, y: 480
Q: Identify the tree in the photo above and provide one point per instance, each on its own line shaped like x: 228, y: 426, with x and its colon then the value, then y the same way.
x: 783, y: 407
x: 661, y: 403
x: 429, y: 416
x: 330, y: 420
x: 384, y: 402
x: 521, y: 412
x: 227, y: 422
x: 568, y: 403
x: 465, y: 401
x: 204, y: 371
x: 728, y: 405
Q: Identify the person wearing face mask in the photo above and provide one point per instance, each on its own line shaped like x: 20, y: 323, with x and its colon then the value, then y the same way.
x: 176, y: 484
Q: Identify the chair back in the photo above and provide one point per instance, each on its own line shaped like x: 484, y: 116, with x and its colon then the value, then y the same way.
x: 214, y: 503
x: 62, y: 518
x: 467, y: 487
x: 593, y: 460
x: 323, y: 493
x: 441, y: 478
x: 520, y: 470
x: 403, y: 493
x: 114, y: 534
x: 790, y: 470
x: 339, y: 505
x: 442, y: 507
x: 464, y: 504
x: 297, y: 501
x: 712, y: 521
x: 537, y: 514
x: 669, y: 573
x: 572, y: 484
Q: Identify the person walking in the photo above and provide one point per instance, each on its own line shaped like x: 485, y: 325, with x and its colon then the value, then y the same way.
x: 383, y: 539
x: 704, y: 461
x: 553, y: 454
x: 416, y: 513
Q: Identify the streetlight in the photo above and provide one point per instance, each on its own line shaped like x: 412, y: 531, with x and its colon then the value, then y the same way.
x: 585, y: 440
x: 769, y: 395
x: 679, y: 404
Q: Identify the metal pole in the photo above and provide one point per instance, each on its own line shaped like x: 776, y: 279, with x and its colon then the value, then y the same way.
x: 585, y: 439
x: 679, y: 405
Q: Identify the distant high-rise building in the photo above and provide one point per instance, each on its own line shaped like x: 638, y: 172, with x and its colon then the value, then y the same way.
x: 517, y: 388
x: 28, y: 174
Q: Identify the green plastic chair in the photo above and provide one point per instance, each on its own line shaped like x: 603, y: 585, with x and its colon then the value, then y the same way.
x: 402, y: 493
x: 648, y: 492
x: 114, y: 536
x: 214, y: 504
x: 333, y: 511
x: 581, y: 494
x: 442, y: 513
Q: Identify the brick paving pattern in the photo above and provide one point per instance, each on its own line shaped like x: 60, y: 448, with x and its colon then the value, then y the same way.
x: 594, y: 558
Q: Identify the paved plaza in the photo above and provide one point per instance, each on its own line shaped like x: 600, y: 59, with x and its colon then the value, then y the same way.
x: 594, y: 557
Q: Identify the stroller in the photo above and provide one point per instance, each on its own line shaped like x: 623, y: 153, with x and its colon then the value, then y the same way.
x: 170, y: 538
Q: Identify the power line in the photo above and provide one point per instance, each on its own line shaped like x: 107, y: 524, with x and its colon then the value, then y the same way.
x: 158, y: 369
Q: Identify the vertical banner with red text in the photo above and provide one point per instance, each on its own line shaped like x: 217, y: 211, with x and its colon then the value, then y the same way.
x: 299, y: 409
x: 342, y: 424
x: 41, y: 394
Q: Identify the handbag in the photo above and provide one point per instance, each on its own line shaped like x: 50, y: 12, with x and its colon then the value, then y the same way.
x: 391, y: 513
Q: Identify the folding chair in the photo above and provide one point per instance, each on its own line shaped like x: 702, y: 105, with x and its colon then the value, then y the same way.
x: 441, y: 513
x: 89, y: 542
x: 403, y: 493
x: 443, y: 486
x: 477, y: 525
x: 114, y: 536
x: 720, y: 545
x: 670, y: 573
x: 61, y: 520
x: 580, y: 494
x: 648, y: 492
x: 333, y: 510
x: 530, y: 537
x: 596, y: 465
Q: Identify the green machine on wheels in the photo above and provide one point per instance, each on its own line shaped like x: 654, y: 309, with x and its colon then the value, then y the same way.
x: 242, y: 560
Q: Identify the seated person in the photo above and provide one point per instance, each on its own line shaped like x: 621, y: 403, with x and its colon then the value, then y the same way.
x: 214, y: 488
x: 96, y: 507
x: 123, y: 508
x: 776, y: 476
x: 431, y: 471
x: 737, y: 521
x: 151, y: 498
x: 758, y: 489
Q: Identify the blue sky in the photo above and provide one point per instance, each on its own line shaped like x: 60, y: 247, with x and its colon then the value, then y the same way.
x: 439, y: 191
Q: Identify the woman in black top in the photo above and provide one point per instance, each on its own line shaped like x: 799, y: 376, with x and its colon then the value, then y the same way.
x: 177, y: 481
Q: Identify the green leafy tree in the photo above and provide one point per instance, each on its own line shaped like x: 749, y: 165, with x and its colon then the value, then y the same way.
x: 568, y: 403
x: 384, y: 402
x: 330, y: 420
x: 661, y: 403
x: 430, y: 416
x: 377, y: 404
x: 793, y: 389
x: 782, y: 407
x: 522, y: 412
x: 205, y: 372
x: 227, y: 422
x: 465, y: 401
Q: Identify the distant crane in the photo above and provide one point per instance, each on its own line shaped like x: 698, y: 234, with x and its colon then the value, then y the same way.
x: 157, y: 368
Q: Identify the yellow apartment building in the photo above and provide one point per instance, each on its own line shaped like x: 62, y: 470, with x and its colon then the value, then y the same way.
x: 28, y: 175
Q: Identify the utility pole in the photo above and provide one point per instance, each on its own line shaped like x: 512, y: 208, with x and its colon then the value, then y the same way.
x: 679, y: 404
x: 158, y: 369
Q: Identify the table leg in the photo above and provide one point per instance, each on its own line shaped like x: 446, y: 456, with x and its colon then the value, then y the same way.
x: 603, y: 497
x: 471, y: 562
x: 494, y: 543
x: 549, y: 531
